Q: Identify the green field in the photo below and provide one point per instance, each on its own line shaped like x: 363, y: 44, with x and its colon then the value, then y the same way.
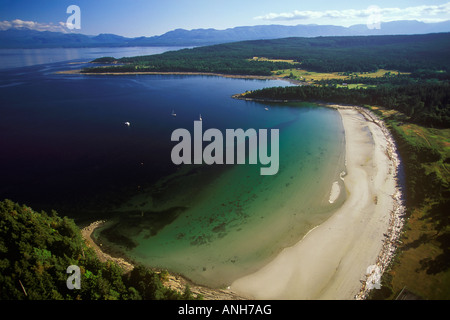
x: 421, y: 264
x: 290, y: 61
x: 355, y: 86
x: 311, y: 77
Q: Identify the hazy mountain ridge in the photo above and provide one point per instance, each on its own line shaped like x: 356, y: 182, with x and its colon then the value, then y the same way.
x: 26, y: 38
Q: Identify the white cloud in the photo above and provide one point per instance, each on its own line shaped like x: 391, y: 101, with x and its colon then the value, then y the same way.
x: 32, y: 25
x: 421, y: 13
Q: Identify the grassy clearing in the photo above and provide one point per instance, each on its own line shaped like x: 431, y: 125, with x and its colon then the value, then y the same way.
x: 311, y: 77
x: 379, y: 73
x: 356, y: 86
x: 307, y: 76
x: 411, y: 269
x: 420, y: 266
x: 273, y: 60
x: 422, y: 263
x: 438, y: 139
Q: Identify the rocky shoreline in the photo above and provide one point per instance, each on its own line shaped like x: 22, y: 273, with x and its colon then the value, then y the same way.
x: 174, y: 281
x: 396, y: 223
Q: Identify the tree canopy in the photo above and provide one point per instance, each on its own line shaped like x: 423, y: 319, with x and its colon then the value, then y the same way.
x: 407, y: 53
x: 424, y: 103
x: 36, y: 248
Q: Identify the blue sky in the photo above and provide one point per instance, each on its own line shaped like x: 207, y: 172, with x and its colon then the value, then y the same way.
x: 134, y: 18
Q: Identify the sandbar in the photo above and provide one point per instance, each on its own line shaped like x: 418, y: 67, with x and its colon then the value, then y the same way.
x: 335, y: 191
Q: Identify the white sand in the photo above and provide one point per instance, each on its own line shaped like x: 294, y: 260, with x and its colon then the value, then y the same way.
x: 331, y: 261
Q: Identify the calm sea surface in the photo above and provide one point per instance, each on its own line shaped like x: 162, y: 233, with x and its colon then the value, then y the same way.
x: 64, y: 145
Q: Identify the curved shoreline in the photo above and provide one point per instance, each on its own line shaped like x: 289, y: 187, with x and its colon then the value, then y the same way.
x: 344, y: 257
x: 86, y: 232
x: 355, y: 262
x: 174, y: 281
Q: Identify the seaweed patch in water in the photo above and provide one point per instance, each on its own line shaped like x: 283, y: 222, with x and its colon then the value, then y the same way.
x: 135, y: 222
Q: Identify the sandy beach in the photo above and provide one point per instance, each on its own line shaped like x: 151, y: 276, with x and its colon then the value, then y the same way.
x: 344, y: 257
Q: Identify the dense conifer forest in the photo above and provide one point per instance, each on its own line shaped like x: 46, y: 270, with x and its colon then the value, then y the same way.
x: 409, y: 53
x: 423, y: 103
x: 36, y: 248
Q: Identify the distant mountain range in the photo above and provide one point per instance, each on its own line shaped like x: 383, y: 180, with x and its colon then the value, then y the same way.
x: 26, y: 38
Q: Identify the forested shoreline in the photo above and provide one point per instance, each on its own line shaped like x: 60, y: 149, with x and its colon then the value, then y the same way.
x: 419, y: 124
x: 410, y: 53
x: 423, y: 103
x: 37, y: 247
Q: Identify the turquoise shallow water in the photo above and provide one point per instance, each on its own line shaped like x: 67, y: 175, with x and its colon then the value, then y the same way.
x: 226, y: 221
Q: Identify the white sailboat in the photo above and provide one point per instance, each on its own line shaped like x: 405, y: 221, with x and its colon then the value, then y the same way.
x: 173, y: 113
x: 200, y: 118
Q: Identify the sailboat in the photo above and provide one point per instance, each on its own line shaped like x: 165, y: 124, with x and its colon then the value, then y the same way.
x: 267, y: 109
x: 173, y: 113
x: 200, y: 118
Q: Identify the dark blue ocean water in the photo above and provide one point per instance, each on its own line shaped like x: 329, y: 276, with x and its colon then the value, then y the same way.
x: 64, y: 145
x: 63, y: 142
x: 14, y: 58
